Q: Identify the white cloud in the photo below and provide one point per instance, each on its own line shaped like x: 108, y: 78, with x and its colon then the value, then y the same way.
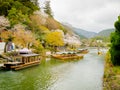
x: 92, y: 15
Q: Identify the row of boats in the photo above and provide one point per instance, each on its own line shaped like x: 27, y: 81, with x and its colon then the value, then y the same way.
x: 24, y: 60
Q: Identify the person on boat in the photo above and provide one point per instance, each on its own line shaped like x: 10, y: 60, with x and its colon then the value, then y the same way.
x: 10, y: 46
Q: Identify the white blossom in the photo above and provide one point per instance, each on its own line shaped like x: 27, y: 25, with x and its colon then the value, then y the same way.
x: 4, y: 22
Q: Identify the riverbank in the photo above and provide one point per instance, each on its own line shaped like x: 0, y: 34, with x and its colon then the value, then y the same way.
x: 111, y: 79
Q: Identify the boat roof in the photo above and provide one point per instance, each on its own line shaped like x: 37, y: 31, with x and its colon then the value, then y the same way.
x: 29, y: 55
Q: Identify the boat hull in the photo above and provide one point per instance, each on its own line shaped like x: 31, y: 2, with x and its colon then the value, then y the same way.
x: 65, y: 57
x: 19, y: 66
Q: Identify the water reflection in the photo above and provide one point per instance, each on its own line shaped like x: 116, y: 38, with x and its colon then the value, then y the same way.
x: 55, y: 74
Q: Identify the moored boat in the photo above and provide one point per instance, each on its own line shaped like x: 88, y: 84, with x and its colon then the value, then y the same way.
x: 82, y: 51
x: 22, y: 61
x: 67, y: 56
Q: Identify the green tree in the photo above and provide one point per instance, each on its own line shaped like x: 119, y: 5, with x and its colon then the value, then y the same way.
x: 5, y: 5
x: 115, y: 44
x: 15, y: 17
x: 47, y: 9
x: 20, y: 7
x: 26, y: 6
x: 31, y: 6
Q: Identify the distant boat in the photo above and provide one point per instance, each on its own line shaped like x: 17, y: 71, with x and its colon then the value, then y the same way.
x: 100, y: 53
x: 82, y: 51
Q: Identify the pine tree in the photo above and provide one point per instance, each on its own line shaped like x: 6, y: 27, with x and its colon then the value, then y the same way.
x: 47, y: 9
x: 35, y: 2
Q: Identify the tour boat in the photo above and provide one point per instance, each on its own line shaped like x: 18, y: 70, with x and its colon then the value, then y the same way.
x: 67, y: 56
x: 82, y: 51
x: 22, y: 61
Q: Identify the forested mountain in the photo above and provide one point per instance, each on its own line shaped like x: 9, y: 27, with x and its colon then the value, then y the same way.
x: 85, y: 33
x: 88, y: 34
x: 106, y: 32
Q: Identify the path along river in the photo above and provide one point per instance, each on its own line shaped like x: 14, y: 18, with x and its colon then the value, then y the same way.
x: 85, y: 74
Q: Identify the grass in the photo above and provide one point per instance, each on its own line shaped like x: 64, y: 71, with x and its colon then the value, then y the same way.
x: 116, y: 69
x: 111, y: 80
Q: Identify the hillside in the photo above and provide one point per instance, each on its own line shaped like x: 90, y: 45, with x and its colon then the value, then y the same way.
x: 33, y: 27
x: 71, y: 29
x: 105, y: 33
x: 87, y: 34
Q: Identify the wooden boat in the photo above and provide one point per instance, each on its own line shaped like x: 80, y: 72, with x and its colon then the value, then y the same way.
x: 22, y: 61
x: 82, y: 51
x: 67, y: 56
x: 99, y: 53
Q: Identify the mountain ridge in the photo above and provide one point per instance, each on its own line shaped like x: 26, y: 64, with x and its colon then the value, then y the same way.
x: 105, y: 32
x: 87, y: 34
x: 91, y: 34
x: 84, y: 34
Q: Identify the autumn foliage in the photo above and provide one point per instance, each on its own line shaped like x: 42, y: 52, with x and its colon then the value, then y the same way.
x: 55, y: 38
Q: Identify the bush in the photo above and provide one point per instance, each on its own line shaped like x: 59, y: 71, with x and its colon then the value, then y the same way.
x: 115, y: 44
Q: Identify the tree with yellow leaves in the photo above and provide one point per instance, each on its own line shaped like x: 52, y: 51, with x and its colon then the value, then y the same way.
x: 23, y: 38
x: 54, y: 39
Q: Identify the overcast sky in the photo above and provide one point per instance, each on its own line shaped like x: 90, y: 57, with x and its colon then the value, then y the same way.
x: 91, y: 15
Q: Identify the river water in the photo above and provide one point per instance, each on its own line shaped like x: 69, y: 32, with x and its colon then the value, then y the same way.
x: 52, y: 74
